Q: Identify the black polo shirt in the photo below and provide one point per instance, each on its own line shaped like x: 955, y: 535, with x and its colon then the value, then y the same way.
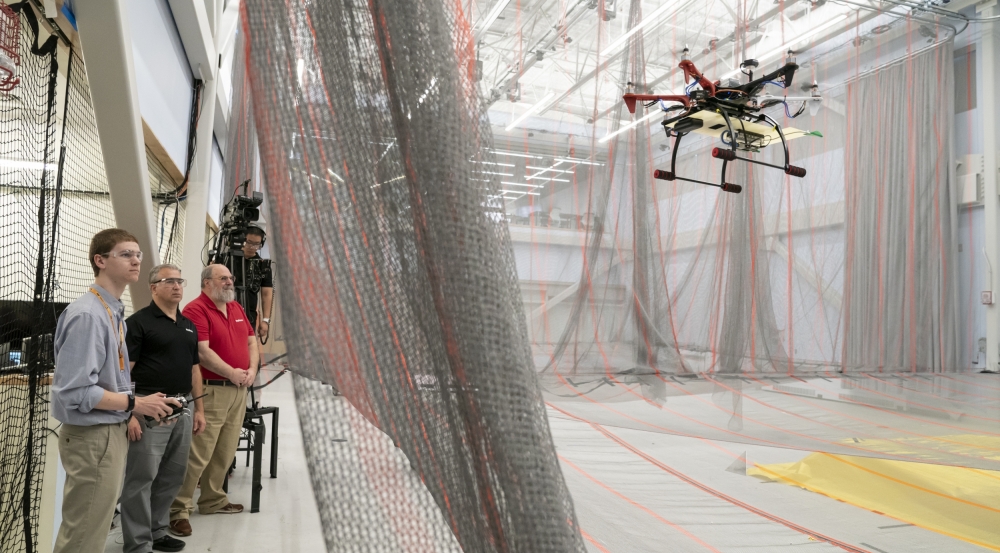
x: 163, y: 350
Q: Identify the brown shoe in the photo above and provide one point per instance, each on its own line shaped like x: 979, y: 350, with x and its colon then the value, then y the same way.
x: 229, y: 509
x: 180, y: 527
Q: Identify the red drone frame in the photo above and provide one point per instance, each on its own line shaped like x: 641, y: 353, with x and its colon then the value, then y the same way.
x: 735, y: 112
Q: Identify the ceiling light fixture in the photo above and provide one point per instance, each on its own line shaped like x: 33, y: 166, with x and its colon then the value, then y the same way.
x: 515, y: 154
x: 580, y: 161
x: 493, y: 15
x: 645, y: 21
x: 784, y: 47
x: 631, y: 125
x: 521, y: 184
x: 21, y: 164
x: 496, y: 173
x: 546, y: 178
x: 529, y: 111
x: 544, y: 169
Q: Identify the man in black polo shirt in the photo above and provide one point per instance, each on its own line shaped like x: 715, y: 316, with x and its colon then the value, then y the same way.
x: 163, y: 347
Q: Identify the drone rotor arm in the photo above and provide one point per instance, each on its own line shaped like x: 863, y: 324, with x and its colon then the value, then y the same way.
x: 631, y: 99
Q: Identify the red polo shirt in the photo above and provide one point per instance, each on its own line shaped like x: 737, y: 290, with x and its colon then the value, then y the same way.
x: 226, y: 333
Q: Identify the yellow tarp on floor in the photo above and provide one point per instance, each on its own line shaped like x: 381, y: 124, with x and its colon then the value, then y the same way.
x: 959, y: 502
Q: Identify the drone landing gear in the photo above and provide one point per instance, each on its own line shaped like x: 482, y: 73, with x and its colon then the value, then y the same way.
x: 726, y: 155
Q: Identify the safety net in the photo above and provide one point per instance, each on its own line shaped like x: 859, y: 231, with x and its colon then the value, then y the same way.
x: 402, y: 287
x: 29, y: 155
x: 459, y: 284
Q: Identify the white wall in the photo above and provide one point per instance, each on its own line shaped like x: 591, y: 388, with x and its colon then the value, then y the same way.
x: 163, y: 75
x: 215, y: 187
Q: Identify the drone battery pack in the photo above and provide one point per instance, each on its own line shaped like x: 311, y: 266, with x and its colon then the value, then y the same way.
x: 710, y: 123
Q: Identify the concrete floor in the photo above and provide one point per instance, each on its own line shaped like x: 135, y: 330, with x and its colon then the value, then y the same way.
x: 628, y: 498
x: 288, y: 521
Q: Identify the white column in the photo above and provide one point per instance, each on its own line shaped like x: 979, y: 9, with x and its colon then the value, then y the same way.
x: 107, y: 50
x: 991, y: 200
x: 197, y: 195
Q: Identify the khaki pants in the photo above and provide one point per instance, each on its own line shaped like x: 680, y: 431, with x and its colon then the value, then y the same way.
x: 212, y: 452
x: 94, y: 460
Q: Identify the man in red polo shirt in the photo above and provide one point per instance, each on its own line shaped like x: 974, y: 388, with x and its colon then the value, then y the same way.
x: 227, y: 349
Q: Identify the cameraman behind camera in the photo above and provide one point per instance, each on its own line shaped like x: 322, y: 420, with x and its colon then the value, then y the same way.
x: 255, y: 274
x: 163, y: 347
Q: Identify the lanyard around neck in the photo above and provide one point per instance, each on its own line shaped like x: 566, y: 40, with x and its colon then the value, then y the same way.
x: 121, y: 330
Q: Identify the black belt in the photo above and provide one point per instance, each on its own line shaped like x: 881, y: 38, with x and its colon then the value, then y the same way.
x: 151, y: 392
x: 219, y: 383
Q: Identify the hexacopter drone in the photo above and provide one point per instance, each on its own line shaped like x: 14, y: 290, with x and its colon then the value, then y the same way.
x: 733, y: 113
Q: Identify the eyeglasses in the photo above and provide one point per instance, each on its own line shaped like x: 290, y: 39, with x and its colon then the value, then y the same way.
x: 170, y: 281
x: 225, y: 278
x: 254, y: 245
x: 127, y: 255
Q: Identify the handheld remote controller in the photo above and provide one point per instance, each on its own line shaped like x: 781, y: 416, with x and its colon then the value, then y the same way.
x: 178, y: 410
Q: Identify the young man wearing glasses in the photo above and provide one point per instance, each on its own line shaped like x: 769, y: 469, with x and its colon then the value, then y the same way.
x: 227, y: 350
x: 163, y: 346
x: 91, y: 394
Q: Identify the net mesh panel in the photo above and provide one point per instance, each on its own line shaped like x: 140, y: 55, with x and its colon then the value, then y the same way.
x: 86, y: 203
x: 170, y: 213
x: 49, y: 217
x: 241, y: 144
x: 28, y: 202
x: 818, y: 313
x: 402, y: 291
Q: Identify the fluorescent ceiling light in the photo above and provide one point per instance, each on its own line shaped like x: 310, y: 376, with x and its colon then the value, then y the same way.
x: 515, y: 154
x: 521, y: 184
x: 529, y: 111
x: 631, y: 125
x: 580, y: 161
x: 21, y: 164
x: 497, y: 173
x: 544, y: 169
x: 804, y: 36
x: 645, y: 21
x: 546, y: 178
x: 784, y: 47
x: 493, y: 15
x: 495, y: 163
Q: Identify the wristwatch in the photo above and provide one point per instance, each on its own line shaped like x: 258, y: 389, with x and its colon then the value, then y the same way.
x: 131, y: 403
x: 266, y: 320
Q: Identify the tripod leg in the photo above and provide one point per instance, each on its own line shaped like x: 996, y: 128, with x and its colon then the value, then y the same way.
x: 258, y: 443
x: 274, y: 443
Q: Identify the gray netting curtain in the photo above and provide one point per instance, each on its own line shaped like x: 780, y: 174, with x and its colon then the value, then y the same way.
x: 900, y: 287
x: 797, y: 314
x: 241, y: 142
x: 402, y: 287
x: 851, y: 269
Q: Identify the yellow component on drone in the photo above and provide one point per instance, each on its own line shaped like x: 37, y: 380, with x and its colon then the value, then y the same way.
x: 713, y: 124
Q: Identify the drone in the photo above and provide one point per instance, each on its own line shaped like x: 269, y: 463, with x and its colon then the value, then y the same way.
x: 733, y: 113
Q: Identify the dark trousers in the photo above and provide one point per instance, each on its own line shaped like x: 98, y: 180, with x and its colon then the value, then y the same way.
x: 153, y: 475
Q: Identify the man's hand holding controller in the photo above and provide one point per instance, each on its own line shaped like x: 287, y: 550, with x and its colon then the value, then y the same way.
x: 155, y: 406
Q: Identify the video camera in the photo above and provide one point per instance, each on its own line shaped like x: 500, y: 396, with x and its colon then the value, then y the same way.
x: 236, y: 217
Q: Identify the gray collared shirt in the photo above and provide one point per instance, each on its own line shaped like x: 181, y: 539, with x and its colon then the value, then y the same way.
x: 86, y: 351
